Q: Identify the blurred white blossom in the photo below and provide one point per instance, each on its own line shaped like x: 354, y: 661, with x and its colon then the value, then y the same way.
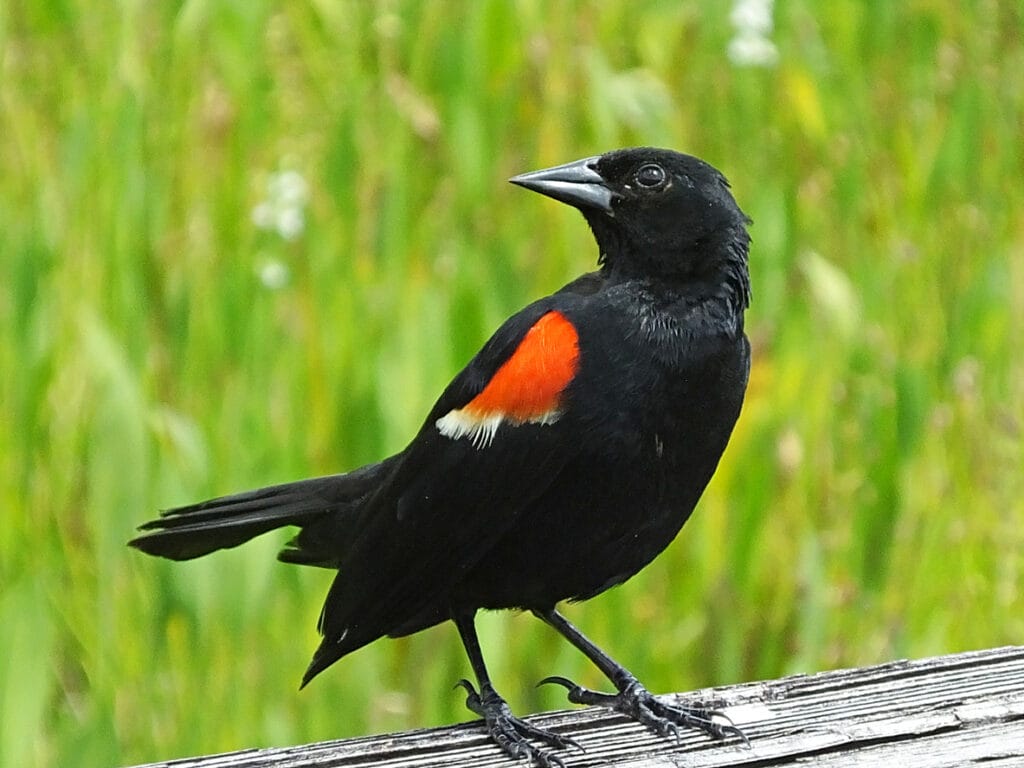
x: 274, y: 274
x: 751, y: 45
x: 283, y: 210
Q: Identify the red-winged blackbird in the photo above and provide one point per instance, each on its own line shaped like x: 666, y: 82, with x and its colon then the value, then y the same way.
x: 558, y: 463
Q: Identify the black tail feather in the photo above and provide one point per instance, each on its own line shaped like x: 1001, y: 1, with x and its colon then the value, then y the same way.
x: 324, y: 505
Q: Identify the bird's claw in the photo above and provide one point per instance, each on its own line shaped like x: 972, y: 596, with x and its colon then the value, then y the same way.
x: 637, y: 703
x: 472, y: 697
x: 512, y: 734
x: 556, y: 680
x: 579, y: 695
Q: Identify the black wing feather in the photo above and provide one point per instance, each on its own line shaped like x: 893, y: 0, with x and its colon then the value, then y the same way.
x: 442, y: 510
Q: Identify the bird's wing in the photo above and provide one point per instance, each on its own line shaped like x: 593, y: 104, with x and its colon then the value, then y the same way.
x: 490, y: 446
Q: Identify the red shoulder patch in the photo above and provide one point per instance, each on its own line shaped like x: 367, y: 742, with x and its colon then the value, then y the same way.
x: 526, y: 388
x: 529, y: 383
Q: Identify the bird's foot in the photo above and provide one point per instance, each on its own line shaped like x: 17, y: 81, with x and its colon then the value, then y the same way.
x: 510, y: 733
x: 637, y: 703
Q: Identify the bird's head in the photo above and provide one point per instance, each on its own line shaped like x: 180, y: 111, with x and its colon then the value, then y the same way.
x: 655, y: 213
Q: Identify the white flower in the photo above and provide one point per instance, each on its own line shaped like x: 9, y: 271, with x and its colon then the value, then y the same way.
x: 290, y: 222
x: 752, y: 16
x: 752, y: 51
x: 751, y: 45
x: 263, y: 215
x: 273, y: 274
x: 288, y: 188
x: 284, y: 209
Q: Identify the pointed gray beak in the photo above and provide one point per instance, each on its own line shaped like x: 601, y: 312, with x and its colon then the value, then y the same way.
x: 577, y: 184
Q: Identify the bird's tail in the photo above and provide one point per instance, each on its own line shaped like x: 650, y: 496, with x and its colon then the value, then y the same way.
x: 324, y: 507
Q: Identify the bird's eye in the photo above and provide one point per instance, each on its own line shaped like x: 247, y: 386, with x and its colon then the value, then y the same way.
x: 650, y: 175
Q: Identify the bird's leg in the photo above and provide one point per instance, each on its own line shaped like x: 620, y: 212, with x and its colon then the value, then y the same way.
x: 505, y: 729
x: 633, y: 700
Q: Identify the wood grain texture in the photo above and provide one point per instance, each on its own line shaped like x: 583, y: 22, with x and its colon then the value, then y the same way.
x: 957, y: 710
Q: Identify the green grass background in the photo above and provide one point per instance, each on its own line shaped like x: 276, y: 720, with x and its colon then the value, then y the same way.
x: 869, y: 505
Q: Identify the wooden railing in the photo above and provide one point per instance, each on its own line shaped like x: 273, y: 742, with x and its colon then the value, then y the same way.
x: 960, y: 710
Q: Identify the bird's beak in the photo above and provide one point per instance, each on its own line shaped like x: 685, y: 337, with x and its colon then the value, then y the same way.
x: 577, y: 184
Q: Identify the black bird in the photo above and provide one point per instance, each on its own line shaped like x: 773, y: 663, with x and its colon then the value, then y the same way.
x: 562, y: 459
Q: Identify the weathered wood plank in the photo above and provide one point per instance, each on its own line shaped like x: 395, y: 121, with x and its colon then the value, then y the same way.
x: 955, y: 710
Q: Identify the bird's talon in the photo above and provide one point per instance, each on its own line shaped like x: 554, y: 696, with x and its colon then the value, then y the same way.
x: 558, y: 680
x: 473, y: 701
x: 671, y: 729
x: 637, y: 703
x: 729, y: 728
x: 734, y: 731
x: 512, y: 735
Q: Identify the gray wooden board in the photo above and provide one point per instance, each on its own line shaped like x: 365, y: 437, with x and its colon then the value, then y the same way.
x: 957, y: 710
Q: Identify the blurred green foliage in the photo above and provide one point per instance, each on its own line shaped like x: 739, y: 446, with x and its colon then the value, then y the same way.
x: 161, y: 341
